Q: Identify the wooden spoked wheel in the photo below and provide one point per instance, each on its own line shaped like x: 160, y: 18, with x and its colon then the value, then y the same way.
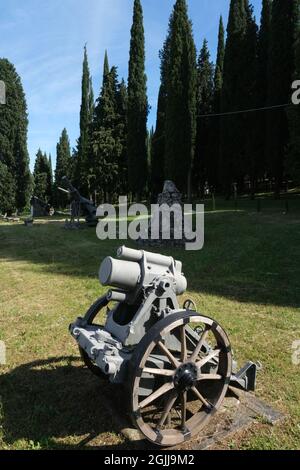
x: 186, y: 361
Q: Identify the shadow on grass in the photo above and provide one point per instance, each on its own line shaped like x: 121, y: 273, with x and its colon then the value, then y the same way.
x: 247, y: 257
x: 51, y: 403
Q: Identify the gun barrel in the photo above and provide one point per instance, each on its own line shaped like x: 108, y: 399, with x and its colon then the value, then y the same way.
x: 129, y: 254
x: 133, y: 268
x: 116, y: 296
x: 64, y: 190
x: 121, y: 274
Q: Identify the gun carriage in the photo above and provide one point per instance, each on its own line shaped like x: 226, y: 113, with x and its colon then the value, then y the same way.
x: 175, y: 364
x: 80, y: 206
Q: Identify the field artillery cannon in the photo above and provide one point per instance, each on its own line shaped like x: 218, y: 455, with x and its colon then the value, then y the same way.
x: 40, y: 208
x: 80, y: 206
x: 175, y: 364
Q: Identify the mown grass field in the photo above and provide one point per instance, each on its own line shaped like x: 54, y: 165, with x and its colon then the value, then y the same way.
x: 247, y: 277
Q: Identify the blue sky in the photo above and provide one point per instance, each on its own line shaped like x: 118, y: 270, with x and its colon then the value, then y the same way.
x: 45, y: 39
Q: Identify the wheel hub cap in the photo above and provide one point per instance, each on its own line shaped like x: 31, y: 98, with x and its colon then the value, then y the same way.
x: 185, y: 377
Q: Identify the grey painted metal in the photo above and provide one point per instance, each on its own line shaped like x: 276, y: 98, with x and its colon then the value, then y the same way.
x: 152, y: 266
x: 120, y: 274
x: 245, y: 378
x: 150, y: 283
x: 104, y: 350
x: 145, y: 289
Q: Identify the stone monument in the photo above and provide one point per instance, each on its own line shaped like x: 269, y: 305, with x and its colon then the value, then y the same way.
x: 169, y: 198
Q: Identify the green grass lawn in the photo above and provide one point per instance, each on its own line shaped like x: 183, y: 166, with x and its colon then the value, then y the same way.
x: 247, y: 277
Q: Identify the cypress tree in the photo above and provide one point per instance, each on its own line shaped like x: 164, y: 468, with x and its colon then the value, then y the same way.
x: 216, y: 121
x: 150, y: 134
x: 51, y: 168
x: 250, y: 165
x: 204, y: 165
x: 83, y: 163
x: 282, y: 66
x: 293, y: 164
x: 103, y: 143
x: 237, y: 92
x: 22, y: 172
x: 97, y: 176
x: 263, y: 81
x: 42, y: 177
x: 218, y: 77
x: 181, y: 100
x: 106, y: 68
x: 159, y: 136
x: 13, y: 136
x: 109, y: 135
x: 121, y: 137
x: 149, y: 147
x: 158, y: 147
x: 63, y: 166
x: 7, y: 190
x: 50, y: 179
x: 106, y: 134
x: 221, y: 48
x: 137, y: 111
x: 98, y: 109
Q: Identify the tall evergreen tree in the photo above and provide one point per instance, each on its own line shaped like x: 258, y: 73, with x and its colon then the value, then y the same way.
x: 204, y: 164
x: 293, y: 163
x: 49, y: 179
x: 109, y: 135
x: 181, y: 100
x: 159, y: 136
x: 150, y: 134
x: 158, y: 147
x: 216, y: 121
x: 106, y: 68
x: 284, y: 25
x: 238, y: 92
x: 63, y: 167
x: 137, y: 110
x: 83, y: 162
x: 230, y: 125
x: 221, y: 47
x: 121, y: 137
x: 51, y: 168
x: 7, y: 190
x: 98, y: 109
x: 218, y: 78
x: 103, y: 137
x: 13, y: 136
x: 250, y: 166
x: 149, y: 147
x: 263, y: 82
x: 97, y: 176
x: 42, y: 177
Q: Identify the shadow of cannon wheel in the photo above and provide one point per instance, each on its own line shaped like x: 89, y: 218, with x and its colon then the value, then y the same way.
x: 56, y: 403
